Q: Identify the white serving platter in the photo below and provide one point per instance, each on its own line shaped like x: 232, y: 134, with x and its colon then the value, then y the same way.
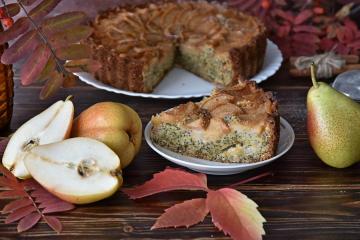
x: 179, y: 83
x: 287, y: 138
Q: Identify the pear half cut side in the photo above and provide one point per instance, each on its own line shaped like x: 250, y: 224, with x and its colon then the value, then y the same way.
x: 78, y: 170
x: 51, y: 125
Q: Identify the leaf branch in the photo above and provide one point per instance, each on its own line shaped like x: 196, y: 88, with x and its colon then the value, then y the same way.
x: 59, y: 65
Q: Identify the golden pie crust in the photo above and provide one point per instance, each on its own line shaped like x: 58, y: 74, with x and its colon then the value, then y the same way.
x: 130, y: 40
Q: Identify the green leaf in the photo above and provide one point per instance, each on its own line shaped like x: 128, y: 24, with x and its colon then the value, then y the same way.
x: 83, y: 65
x: 48, y: 69
x: 12, y: 9
x: 69, y: 36
x: 73, y: 52
x: 43, y: 9
x: 63, y: 21
x: 28, y: 2
x: 34, y: 64
x: 21, y: 48
x: 19, y: 27
x: 52, y: 85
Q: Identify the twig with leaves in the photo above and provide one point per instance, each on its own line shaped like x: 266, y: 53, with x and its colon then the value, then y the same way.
x: 31, y: 203
x: 49, y: 44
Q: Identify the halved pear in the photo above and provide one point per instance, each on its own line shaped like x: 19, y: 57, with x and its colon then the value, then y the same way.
x: 51, y: 125
x: 78, y: 170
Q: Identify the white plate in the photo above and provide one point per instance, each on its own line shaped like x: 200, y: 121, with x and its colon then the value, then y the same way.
x: 286, y: 141
x: 179, y: 83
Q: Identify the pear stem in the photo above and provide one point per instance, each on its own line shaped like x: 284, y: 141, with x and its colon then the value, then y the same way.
x: 70, y: 97
x: 313, y: 74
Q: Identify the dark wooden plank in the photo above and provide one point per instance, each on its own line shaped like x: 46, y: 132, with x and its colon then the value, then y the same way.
x: 305, y: 199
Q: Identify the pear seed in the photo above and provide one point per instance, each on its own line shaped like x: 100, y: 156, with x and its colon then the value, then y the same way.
x: 86, y: 167
x: 31, y: 144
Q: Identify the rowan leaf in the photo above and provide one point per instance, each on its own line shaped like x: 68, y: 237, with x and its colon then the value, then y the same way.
x: 28, y: 221
x: 18, y: 28
x: 186, y: 214
x: 52, y: 85
x: 63, y: 21
x: 168, y: 180
x: 12, y: 194
x: 83, y: 65
x: 48, y: 69
x: 59, y: 206
x: 34, y: 65
x: 54, y: 223
x: 21, y: 48
x: 69, y: 36
x: 34, y: 202
x: 12, y: 9
x: 28, y: 2
x: 74, y: 52
x: 43, y: 9
x: 235, y: 214
x: 70, y: 80
x: 12, y: 206
x: 19, y: 213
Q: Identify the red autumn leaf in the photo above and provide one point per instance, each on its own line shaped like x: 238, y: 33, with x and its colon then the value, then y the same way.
x: 348, y: 23
x: 327, y: 44
x: 283, y: 30
x: 306, y: 38
x: 186, y: 214
x: 59, y: 206
x: 34, y: 64
x: 168, y: 180
x: 235, y: 214
x: 54, y: 223
x: 12, y: 206
x: 19, y: 213
x: 303, y: 17
x: 284, y: 15
x: 307, y: 28
x: 28, y: 221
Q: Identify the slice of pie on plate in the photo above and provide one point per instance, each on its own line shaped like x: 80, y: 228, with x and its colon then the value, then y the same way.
x: 237, y: 124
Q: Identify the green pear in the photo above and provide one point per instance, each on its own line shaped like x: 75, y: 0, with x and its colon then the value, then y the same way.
x: 333, y: 123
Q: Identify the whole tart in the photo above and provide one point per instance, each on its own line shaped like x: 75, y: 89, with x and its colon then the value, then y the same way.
x: 138, y: 45
x: 236, y: 124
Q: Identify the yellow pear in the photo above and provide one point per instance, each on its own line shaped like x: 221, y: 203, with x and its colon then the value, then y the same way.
x: 115, y: 124
x: 333, y: 123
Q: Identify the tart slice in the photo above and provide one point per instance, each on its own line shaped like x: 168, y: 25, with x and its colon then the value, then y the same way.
x: 238, y: 124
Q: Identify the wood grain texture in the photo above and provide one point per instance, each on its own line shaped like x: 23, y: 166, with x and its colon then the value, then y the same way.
x: 305, y: 199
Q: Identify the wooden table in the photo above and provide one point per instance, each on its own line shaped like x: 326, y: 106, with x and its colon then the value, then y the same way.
x: 305, y: 199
